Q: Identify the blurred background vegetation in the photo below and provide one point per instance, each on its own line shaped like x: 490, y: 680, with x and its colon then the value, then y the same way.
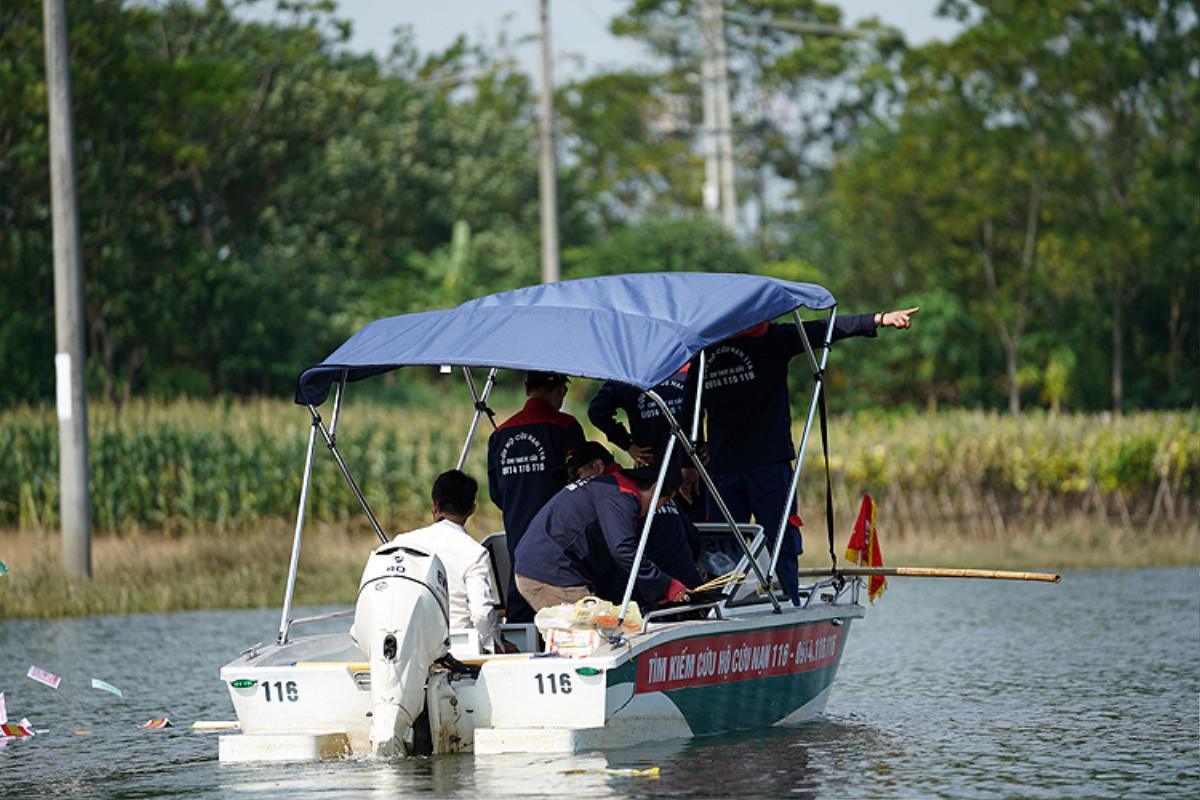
x: 252, y: 192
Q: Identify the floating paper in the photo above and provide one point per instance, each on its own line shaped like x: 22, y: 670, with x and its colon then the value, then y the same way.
x: 42, y: 676
x: 648, y: 772
x: 107, y: 687
x: 157, y: 724
x: 82, y: 733
x: 215, y: 725
x: 3, y: 710
x: 15, y: 731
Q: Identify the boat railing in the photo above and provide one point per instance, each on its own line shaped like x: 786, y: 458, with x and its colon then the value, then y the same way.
x: 840, y: 587
x: 809, y: 593
x: 674, y: 610
x: 289, y: 624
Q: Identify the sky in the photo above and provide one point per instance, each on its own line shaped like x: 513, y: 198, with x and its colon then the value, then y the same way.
x: 579, y: 28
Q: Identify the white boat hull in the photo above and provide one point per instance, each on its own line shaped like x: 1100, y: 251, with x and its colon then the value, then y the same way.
x: 677, y: 680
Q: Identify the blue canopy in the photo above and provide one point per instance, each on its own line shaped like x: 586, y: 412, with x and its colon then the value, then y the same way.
x: 636, y: 329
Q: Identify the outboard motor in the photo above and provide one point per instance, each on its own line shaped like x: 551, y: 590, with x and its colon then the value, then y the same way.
x: 401, y: 622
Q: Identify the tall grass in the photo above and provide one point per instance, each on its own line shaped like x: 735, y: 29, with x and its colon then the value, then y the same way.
x: 984, y: 473
x: 188, y: 465
x: 143, y: 572
x: 962, y: 488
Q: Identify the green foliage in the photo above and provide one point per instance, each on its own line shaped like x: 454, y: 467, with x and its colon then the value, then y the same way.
x: 1032, y: 170
x: 201, y: 466
x: 245, y: 187
x: 693, y: 244
x: 252, y: 192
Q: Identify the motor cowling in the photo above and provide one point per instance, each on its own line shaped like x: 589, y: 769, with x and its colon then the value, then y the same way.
x: 401, y: 623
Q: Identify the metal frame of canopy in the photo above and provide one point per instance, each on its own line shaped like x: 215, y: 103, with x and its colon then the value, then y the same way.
x: 328, y: 435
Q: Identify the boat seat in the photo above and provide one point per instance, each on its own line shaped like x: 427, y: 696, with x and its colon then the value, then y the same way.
x: 464, y: 642
x: 716, y: 537
x: 523, y: 634
x: 497, y: 546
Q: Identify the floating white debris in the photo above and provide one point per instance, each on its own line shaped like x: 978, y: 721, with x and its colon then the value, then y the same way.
x: 42, y: 676
x: 215, y: 725
x: 107, y: 687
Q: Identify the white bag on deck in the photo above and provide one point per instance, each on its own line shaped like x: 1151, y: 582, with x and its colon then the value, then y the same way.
x: 578, y: 629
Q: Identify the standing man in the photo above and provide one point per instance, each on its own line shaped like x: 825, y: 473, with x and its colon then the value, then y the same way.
x: 648, y: 432
x: 646, y: 438
x: 586, y: 538
x: 527, y: 465
x: 749, y: 422
x: 468, y: 568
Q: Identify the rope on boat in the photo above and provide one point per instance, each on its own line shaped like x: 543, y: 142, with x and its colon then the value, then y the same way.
x: 721, y: 581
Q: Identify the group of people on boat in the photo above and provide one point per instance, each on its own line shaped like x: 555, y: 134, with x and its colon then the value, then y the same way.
x: 572, y: 514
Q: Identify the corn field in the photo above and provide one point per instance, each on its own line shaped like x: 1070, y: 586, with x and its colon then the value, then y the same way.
x: 187, y: 465
x: 981, y: 473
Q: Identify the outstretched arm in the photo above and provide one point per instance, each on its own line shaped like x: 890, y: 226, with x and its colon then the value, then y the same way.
x: 896, y: 319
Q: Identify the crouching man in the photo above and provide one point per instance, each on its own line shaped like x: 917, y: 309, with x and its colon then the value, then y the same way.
x: 468, y: 569
x: 586, y: 535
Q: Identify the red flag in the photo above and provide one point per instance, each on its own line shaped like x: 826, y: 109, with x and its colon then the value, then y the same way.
x: 863, y: 548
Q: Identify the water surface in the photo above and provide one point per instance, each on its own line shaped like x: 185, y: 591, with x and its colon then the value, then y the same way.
x: 947, y: 689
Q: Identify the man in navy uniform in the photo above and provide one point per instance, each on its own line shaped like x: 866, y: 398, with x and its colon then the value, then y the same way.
x: 648, y: 432
x: 527, y: 465
x: 586, y: 537
x: 674, y: 542
x: 749, y: 422
x: 646, y: 438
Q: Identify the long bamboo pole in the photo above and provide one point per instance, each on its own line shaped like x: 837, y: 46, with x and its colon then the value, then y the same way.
x: 935, y: 572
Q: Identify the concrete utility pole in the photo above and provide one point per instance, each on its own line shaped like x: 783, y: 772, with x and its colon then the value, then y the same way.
x: 712, y: 20
x: 70, y: 392
x: 712, y: 162
x: 548, y: 195
x: 719, y: 179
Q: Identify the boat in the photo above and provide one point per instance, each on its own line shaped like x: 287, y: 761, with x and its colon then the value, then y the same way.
x: 398, y: 680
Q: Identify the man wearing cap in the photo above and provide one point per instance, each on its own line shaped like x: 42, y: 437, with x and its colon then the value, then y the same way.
x: 586, y: 535
x: 674, y: 542
x: 749, y: 422
x: 527, y: 465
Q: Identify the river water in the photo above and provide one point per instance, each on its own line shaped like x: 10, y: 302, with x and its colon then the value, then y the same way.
x: 947, y: 689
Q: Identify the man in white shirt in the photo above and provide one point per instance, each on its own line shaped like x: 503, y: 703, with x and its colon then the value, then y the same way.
x: 468, y: 569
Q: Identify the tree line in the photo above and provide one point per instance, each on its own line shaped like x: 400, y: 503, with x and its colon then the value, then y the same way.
x: 253, y: 191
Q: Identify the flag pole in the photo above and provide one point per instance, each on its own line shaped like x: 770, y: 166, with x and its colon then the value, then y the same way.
x: 934, y: 572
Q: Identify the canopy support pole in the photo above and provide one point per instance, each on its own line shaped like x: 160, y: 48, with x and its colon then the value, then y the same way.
x: 305, y: 484
x: 295, y: 562
x: 819, y: 375
x: 362, y: 501
x: 637, y: 559
x: 480, y: 407
x: 716, y: 495
x: 699, y: 396
x: 337, y: 404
